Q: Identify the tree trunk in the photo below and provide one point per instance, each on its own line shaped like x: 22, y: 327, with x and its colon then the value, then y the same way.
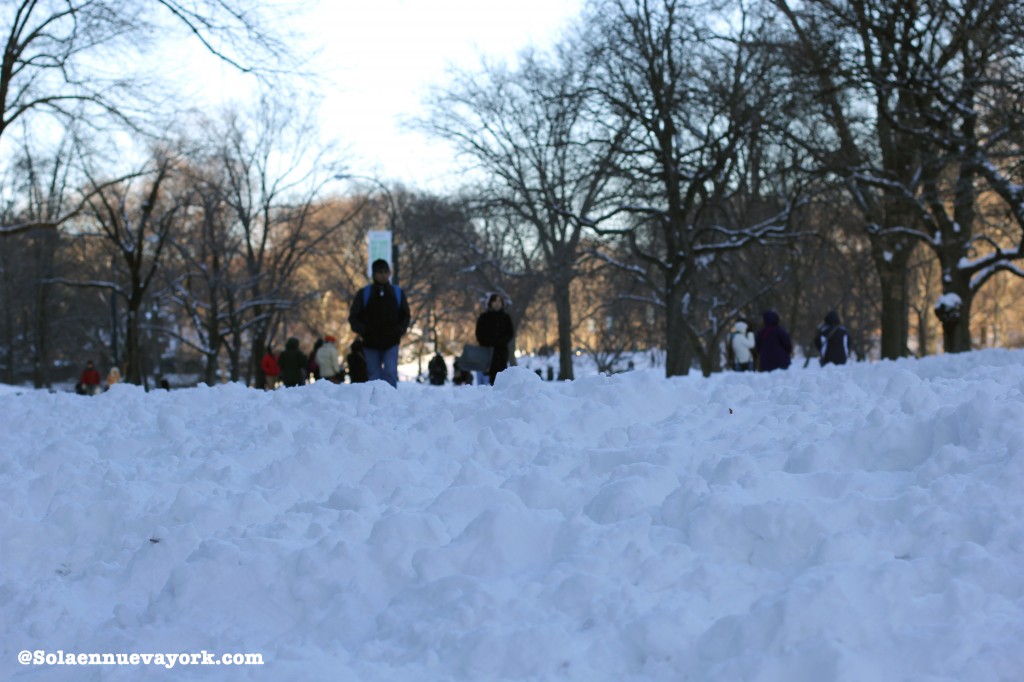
x: 259, y: 347
x: 705, y: 356
x: 956, y: 318
x: 235, y: 355
x: 677, y: 355
x: 215, y: 336
x: 8, y: 342
x: 563, y: 312
x: 210, y: 373
x: 132, y: 346
x: 254, y: 375
x: 891, y: 263
x: 923, y: 338
x: 256, y: 378
x: 41, y: 360
x: 9, y: 307
x: 45, y: 248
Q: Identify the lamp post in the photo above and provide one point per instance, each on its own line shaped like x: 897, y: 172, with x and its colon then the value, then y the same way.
x: 392, y: 216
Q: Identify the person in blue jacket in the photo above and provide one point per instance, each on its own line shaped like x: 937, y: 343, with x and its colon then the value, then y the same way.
x: 380, y: 316
x: 773, y: 343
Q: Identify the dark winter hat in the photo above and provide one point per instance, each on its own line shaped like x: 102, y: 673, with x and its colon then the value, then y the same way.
x: 380, y: 265
x: 832, y: 317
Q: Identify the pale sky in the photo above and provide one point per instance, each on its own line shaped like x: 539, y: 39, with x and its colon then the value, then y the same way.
x: 383, y: 55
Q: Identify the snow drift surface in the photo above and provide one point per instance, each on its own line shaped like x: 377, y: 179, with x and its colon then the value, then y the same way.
x: 855, y: 523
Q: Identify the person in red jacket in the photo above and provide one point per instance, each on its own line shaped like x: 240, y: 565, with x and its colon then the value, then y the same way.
x: 270, y: 368
x: 89, y: 382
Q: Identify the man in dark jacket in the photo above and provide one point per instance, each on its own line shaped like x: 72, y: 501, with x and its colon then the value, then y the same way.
x: 356, y: 362
x: 774, y: 346
x: 437, y: 370
x: 494, y: 330
x: 832, y: 341
x: 380, y: 315
x: 292, y: 362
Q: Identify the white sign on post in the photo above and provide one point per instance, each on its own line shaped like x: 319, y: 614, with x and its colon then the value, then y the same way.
x: 378, y: 243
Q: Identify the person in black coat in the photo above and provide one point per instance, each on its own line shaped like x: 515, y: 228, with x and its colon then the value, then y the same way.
x: 292, y: 362
x: 832, y: 341
x: 380, y: 316
x: 494, y: 330
x: 773, y: 343
x: 437, y: 370
x: 356, y: 362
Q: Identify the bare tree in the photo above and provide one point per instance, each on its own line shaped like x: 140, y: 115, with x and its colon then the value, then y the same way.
x: 198, y: 277
x: 546, y: 161
x: 31, y: 263
x: 700, y: 109
x: 135, y: 221
x: 973, y: 88
x: 917, y: 97
x: 433, y: 236
x: 274, y: 178
x: 51, y: 49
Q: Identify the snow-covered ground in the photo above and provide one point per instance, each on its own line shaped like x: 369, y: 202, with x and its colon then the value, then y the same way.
x: 859, y: 523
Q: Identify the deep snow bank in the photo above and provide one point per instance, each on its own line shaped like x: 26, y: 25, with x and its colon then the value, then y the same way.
x: 856, y: 523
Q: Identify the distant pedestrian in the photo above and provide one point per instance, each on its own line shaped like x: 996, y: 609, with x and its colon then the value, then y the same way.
x: 437, y: 370
x: 292, y: 362
x: 270, y: 368
x: 461, y: 377
x: 327, y: 359
x: 832, y: 341
x: 356, y: 362
x: 494, y: 330
x: 773, y: 344
x: 113, y: 376
x: 312, y: 367
x: 742, y: 343
x: 380, y: 316
x: 89, y: 381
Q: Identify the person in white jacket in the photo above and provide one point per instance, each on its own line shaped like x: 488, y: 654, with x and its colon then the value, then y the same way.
x: 741, y: 341
x: 327, y: 359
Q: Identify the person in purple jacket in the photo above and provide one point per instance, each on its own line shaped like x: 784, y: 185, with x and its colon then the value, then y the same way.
x: 774, y: 346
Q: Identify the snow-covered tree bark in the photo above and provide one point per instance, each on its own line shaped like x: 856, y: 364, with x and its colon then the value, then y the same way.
x: 700, y: 108
x: 936, y: 147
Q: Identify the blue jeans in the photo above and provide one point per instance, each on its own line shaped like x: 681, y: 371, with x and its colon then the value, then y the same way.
x: 382, y: 364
